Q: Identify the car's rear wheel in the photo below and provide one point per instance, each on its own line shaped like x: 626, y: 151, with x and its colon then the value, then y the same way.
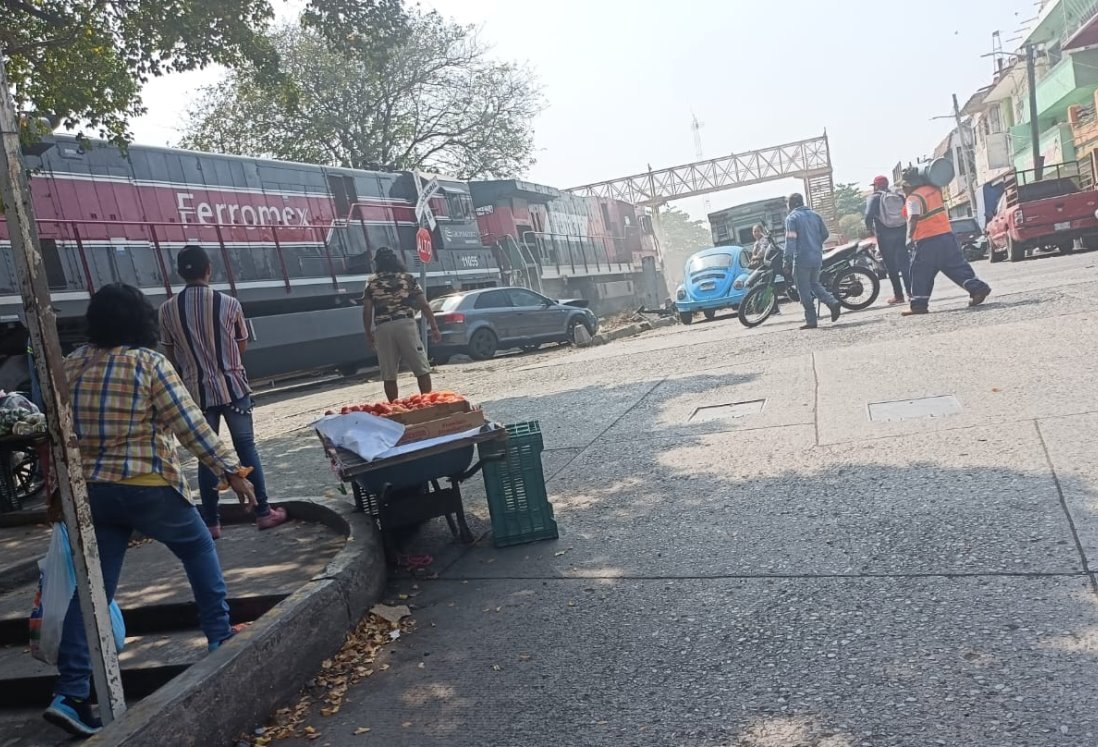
x: 483, y: 344
x: 710, y: 314
x: 1066, y: 247
x: 686, y: 317
x: 1015, y: 251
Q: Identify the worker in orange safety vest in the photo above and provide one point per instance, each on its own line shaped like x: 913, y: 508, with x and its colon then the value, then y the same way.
x: 935, y: 247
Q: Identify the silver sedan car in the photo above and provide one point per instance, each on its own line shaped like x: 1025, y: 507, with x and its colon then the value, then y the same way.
x: 480, y: 322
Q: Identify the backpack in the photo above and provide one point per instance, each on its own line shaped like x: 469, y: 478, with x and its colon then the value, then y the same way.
x: 890, y: 210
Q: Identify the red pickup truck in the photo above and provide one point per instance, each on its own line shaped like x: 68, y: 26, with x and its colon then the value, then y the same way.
x: 1052, y: 212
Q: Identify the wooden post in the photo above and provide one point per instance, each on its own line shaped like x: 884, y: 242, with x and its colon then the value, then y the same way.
x: 41, y: 323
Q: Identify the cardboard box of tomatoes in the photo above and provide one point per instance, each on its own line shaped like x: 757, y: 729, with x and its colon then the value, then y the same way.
x: 425, y: 416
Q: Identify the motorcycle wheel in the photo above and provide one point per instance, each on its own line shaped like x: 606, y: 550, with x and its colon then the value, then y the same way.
x: 856, y: 288
x: 791, y: 293
x: 757, y: 306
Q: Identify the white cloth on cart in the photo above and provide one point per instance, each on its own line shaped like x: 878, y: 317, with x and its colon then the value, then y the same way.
x: 361, y: 433
x: 427, y: 443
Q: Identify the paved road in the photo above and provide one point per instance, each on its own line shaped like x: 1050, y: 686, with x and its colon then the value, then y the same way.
x: 800, y: 576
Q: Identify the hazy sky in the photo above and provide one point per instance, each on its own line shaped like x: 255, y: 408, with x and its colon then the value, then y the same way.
x: 622, y: 78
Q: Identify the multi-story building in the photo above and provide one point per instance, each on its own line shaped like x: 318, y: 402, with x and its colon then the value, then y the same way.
x: 992, y: 115
x: 958, y: 147
x: 1067, y: 76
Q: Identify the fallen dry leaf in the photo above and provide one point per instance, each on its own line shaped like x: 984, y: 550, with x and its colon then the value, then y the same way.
x: 496, y: 668
x: 361, y: 730
x: 406, y: 724
x: 558, y: 553
x: 351, y: 664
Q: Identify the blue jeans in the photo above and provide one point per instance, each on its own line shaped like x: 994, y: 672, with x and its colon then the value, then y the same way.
x: 164, y: 515
x: 238, y: 418
x: 893, y: 246
x: 810, y: 289
x: 942, y: 254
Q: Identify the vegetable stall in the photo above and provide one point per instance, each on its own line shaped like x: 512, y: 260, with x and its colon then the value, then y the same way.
x: 406, y: 460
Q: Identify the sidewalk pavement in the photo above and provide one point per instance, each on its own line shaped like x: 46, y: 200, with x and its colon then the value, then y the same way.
x: 803, y: 575
x: 273, y: 564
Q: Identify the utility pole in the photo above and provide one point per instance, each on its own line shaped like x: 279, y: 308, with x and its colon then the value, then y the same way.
x: 65, y: 453
x: 969, y: 161
x: 1034, y: 126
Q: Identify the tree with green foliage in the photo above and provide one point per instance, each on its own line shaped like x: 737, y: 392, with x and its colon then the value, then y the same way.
x: 853, y: 226
x: 849, y: 200
x: 82, y: 63
x: 435, y: 101
x: 680, y: 236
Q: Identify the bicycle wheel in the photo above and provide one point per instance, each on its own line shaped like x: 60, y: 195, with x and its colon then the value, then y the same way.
x: 757, y: 306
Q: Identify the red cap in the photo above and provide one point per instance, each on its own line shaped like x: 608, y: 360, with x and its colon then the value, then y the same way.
x: 880, y: 181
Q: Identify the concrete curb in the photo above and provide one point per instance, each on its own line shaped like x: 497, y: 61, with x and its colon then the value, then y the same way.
x: 238, y: 686
x: 630, y: 330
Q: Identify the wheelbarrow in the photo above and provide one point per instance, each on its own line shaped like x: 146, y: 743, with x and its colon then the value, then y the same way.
x: 408, y: 489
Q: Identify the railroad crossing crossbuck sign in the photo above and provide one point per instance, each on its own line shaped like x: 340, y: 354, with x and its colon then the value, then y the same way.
x: 423, y: 245
x: 423, y: 204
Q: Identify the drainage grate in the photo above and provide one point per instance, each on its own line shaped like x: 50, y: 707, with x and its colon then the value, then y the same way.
x: 908, y: 409
x: 730, y: 410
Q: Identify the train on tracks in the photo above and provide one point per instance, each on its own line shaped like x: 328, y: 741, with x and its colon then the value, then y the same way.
x: 295, y: 242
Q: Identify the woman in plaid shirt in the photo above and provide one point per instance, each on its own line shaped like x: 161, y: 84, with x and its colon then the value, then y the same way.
x: 129, y: 407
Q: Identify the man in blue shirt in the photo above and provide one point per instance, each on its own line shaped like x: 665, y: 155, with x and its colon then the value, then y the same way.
x: 805, y: 234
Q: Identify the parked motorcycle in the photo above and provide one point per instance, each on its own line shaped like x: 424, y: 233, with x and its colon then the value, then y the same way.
x: 764, y: 285
x: 872, y: 259
x: 845, y: 275
x: 974, y: 248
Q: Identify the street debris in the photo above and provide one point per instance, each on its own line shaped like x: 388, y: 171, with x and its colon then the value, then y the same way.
x: 354, y: 662
x: 391, y: 614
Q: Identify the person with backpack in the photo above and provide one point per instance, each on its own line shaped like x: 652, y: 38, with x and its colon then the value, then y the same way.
x: 884, y: 217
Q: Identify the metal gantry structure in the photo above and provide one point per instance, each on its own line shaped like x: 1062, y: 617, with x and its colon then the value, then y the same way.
x: 808, y: 160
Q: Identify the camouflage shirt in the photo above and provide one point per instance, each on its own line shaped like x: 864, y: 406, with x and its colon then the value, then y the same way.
x: 394, y: 296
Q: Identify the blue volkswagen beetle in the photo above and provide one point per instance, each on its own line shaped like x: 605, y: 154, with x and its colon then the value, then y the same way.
x: 713, y: 279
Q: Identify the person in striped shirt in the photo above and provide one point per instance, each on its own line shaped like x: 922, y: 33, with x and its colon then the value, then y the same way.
x: 204, y: 334
x: 129, y: 407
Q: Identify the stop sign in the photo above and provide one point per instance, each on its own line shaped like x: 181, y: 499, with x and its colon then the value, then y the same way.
x: 423, y: 245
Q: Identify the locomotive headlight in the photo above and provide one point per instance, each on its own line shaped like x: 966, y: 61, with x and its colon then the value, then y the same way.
x: 681, y: 295
x: 738, y: 285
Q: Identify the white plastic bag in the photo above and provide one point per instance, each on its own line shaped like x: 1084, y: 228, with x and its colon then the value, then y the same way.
x: 361, y: 433
x: 56, y: 586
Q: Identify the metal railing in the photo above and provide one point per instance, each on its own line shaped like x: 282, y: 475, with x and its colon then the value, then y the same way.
x: 573, y: 252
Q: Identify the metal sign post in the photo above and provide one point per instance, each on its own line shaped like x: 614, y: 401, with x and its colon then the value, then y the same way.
x: 426, y: 254
x: 424, y: 214
x: 64, y: 450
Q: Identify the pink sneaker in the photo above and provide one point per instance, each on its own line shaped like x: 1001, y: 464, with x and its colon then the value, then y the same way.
x: 215, y: 531
x: 276, y: 517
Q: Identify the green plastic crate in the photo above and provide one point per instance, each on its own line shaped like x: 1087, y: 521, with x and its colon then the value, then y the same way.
x: 517, y: 500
